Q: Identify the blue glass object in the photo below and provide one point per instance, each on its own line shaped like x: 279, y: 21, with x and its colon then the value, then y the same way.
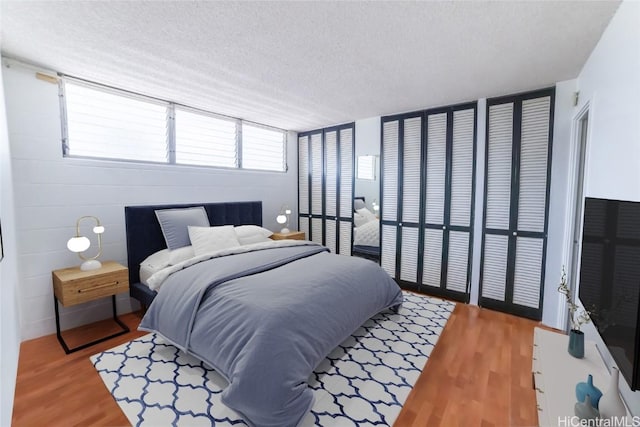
x: 576, y: 344
x: 587, y: 388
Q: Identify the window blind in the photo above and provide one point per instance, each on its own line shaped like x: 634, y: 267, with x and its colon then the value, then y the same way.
x: 108, y: 125
x: 263, y: 148
x: 103, y: 122
x: 205, y: 140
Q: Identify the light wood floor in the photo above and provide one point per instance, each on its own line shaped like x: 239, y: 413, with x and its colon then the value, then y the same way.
x: 479, y: 374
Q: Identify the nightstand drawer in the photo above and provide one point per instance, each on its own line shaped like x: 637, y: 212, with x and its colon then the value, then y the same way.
x: 73, y: 286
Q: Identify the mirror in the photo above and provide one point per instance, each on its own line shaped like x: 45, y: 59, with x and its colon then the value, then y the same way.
x: 366, y: 240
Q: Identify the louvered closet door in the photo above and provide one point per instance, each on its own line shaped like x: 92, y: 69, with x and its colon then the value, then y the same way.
x: 462, y: 168
x: 316, y: 196
x: 345, y: 214
x: 389, y: 195
x: 448, y: 196
x: 435, y: 191
x: 325, y: 186
x: 331, y: 190
x: 410, y: 202
x: 303, y: 184
x: 427, y: 199
x: 516, y: 205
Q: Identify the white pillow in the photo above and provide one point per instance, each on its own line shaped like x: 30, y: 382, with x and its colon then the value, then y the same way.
x: 211, y: 239
x: 157, y: 260
x: 370, y: 216
x: 248, y: 234
x: 359, y: 220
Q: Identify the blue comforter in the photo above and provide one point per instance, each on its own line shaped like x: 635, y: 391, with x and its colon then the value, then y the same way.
x: 265, y: 319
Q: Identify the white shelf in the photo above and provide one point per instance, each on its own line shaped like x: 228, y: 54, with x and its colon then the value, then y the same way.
x: 556, y: 374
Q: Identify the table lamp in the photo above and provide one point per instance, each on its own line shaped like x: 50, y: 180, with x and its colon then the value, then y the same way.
x: 79, y: 244
x: 283, y: 218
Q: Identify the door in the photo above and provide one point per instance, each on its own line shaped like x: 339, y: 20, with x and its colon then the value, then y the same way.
x: 428, y: 177
x: 518, y: 165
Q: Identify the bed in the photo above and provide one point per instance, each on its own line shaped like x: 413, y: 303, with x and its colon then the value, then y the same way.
x: 144, y: 236
x: 263, y: 315
x: 366, y: 232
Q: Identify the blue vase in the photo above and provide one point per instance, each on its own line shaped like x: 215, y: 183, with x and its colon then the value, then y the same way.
x: 587, y: 388
x: 576, y: 344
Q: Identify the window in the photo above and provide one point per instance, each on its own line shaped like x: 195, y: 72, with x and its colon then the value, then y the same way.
x: 366, y: 168
x: 111, y: 124
x: 205, y: 140
x: 263, y: 148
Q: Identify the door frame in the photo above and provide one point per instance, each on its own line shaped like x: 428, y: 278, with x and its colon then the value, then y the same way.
x: 579, y: 153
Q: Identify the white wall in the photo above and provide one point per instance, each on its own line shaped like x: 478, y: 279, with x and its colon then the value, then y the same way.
x: 368, y: 143
x: 553, y: 311
x: 9, y: 322
x: 51, y: 192
x: 610, y: 83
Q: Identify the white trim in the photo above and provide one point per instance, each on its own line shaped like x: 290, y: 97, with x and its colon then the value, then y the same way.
x: 586, y: 108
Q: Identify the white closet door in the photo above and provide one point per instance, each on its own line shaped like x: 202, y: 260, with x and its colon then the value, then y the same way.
x: 409, y: 250
x: 436, y: 168
x: 411, y: 171
x: 345, y: 238
x: 331, y: 178
x: 533, y: 164
x: 330, y: 238
x: 316, y: 176
x: 462, y: 167
x: 494, y: 271
x: 528, y: 271
x: 516, y: 204
x: 458, y: 261
x: 432, y: 259
x: 499, y: 166
x: 388, y: 249
x: 303, y: 175
x: 316, y: 230
x: 390, y: 168
x: 346, y: 173
x: 303, y: 225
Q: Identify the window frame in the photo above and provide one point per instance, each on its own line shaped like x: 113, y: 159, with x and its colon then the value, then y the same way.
x: 171, y: 127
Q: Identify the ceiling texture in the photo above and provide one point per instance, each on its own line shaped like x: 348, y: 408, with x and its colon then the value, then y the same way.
x: 306, y: 65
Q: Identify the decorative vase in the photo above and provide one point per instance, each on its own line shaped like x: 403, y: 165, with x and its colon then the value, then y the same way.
x: 588, y: 389
x: 585, y: 410
x: 576, y: 343
x: 611, y: 404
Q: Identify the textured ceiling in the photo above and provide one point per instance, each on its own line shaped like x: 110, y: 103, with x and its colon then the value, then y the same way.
x: 304, y: 65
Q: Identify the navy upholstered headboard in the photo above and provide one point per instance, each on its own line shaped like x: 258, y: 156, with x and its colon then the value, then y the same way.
x: 144, y: 236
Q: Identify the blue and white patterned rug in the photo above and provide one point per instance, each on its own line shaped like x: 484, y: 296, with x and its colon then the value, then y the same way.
x: 364, y: 381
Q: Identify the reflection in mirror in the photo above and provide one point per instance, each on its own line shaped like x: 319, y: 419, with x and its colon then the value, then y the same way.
x: 366, y: 239
x: 366, y: 168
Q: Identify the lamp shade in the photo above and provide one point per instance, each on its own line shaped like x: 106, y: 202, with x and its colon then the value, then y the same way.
x: 281, y: 219
x: 78, y: 244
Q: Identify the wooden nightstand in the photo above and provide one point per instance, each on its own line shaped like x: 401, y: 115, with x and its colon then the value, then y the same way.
x: 73, y: 286
x: 292, y: 235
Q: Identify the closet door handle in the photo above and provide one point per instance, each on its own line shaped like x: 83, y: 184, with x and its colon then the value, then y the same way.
x: 515, y: 233
x: 444, y: 227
